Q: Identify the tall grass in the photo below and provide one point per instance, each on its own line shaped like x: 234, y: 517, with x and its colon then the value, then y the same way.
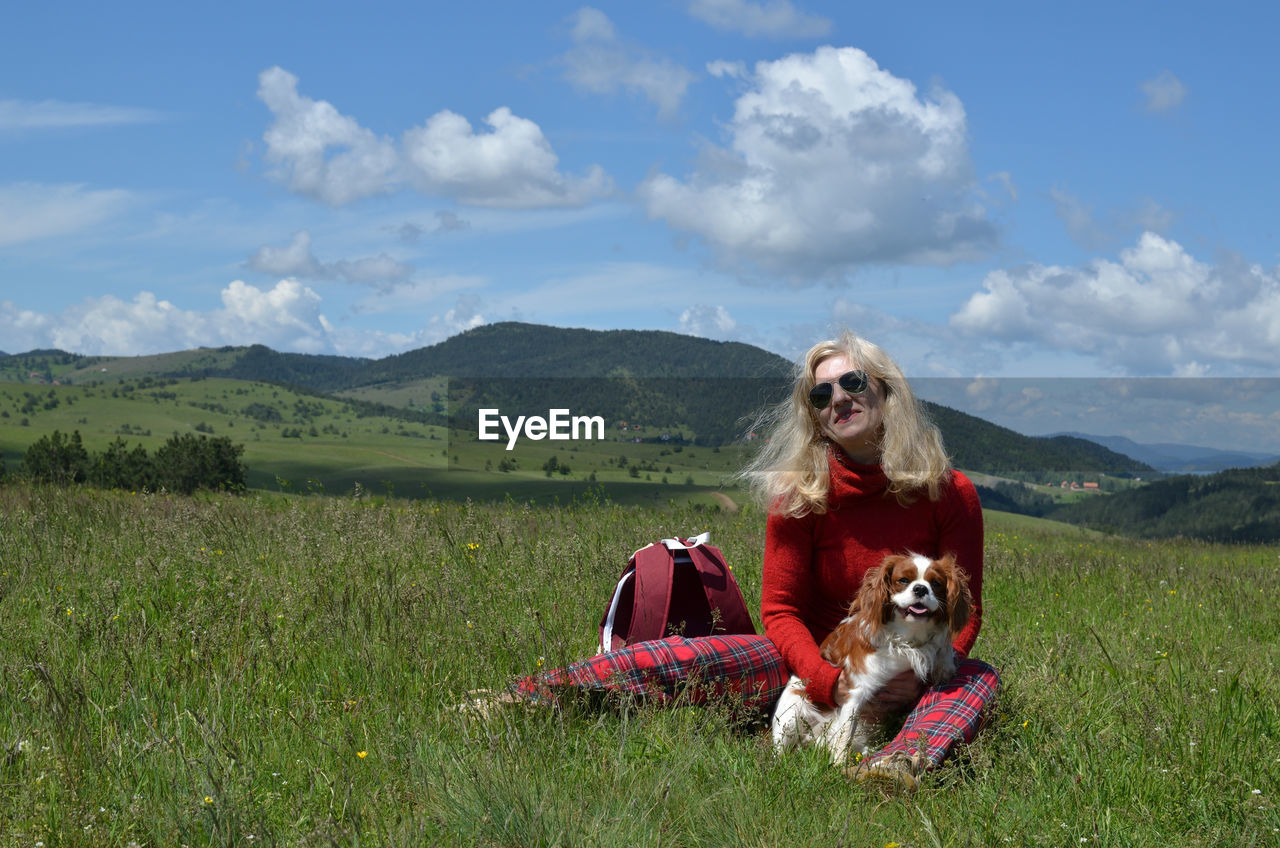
x: 269, y: 670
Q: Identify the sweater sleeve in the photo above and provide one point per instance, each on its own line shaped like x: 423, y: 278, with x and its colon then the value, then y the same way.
x: 787, y: 581
x: 960, y: 525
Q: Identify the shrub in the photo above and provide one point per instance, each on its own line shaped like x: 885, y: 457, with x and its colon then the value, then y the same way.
x: 56, y: 459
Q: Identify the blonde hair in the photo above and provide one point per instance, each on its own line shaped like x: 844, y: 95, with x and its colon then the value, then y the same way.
x: 791, y: 474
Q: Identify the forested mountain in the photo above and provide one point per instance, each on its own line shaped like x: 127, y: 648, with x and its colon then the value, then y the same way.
x: 310, y: 371
x: 695, y: 388
x: 1238, y: 505
x: 507, y: 349
x: 512, y: 349
x: 658, y: 379
x: 979, y: 445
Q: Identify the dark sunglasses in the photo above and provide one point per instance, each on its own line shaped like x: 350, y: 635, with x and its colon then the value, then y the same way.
x: 853, y: 382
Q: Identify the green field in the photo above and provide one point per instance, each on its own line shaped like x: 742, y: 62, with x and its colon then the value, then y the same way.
x: 271, y: 669
x: 300, y: 442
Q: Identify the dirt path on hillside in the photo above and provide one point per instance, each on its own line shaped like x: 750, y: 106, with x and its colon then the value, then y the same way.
x: 400, y: 458
x: 726, y: 502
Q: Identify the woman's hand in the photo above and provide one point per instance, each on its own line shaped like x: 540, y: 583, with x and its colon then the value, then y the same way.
x: 898, y: 695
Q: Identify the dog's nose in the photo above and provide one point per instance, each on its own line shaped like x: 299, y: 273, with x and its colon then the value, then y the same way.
x: 919, y: 590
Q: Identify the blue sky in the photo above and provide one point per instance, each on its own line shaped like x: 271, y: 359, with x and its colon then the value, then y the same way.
x: 1001, y: 190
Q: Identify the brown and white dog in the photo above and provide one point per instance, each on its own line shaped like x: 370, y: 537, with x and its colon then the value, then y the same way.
x: 905, y: 615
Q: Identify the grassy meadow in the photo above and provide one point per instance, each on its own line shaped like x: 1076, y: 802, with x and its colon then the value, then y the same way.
x: 299, y: 442
x: 278, y: 670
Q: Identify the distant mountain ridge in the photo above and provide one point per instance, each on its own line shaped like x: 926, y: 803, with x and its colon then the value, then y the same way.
x: 541, y: 351
x: 1176, y: 458
x: 666, y: 378
x: 711, y: 388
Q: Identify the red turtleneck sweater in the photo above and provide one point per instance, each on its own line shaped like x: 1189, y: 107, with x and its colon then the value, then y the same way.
x: 813, y: 565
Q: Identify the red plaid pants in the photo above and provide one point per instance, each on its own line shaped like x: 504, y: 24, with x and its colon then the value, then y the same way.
x: 750, y: 668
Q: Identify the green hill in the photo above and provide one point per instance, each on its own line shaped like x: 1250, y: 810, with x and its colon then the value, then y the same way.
x: 302, y: 441
x: 1237, y: 505
x: 979, y: 445
x: 287, y: 434
x: 531, y: 350
x: 664, y: 386
x: 407, y: 424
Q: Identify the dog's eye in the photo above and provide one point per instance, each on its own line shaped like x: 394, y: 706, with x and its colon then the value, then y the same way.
x: 903, y: 580
x: 938, y: 585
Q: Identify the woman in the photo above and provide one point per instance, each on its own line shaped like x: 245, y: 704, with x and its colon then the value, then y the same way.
x: 852, y: 472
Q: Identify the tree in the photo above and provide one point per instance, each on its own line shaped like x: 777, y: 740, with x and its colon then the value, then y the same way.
x: 188, y: 462
x: 56, y: 459
x: 117, y: 467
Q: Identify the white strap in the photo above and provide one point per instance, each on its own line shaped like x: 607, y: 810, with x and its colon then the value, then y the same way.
x: 606, y: 635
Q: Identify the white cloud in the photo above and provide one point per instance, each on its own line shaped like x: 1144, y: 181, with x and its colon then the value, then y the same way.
x: 323, y: 154
x: 109, y: 325
x: 19, y: 115
x: 601, y: 63
x: 292, y: 260
x: 1164, y: 92
x: 712, y: 322
x: 1156, y: 311
x: 31, y: 211
x: 772, y: 18
x: 301, y: 137
x: 513, y: 166
x: 464, y: 316
x: 296, y: 260
x: 22, y: 329
x: 286, y: 316
x: 721, y: 68
x: 833, y: 163
x: 371, y: 270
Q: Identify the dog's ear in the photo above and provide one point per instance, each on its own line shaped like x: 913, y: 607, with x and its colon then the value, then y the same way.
x: 873, y: 603
x: 959, y: 598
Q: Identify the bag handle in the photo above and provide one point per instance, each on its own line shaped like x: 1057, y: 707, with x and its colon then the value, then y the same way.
x: 721, y: 589
x: 687, y: 544
x: 654, y: 573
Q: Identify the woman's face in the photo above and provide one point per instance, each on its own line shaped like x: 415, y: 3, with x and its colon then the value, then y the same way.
x: 851, y: 421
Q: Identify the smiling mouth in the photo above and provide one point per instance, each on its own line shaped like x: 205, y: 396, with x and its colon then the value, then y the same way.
x: 916, y: 611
